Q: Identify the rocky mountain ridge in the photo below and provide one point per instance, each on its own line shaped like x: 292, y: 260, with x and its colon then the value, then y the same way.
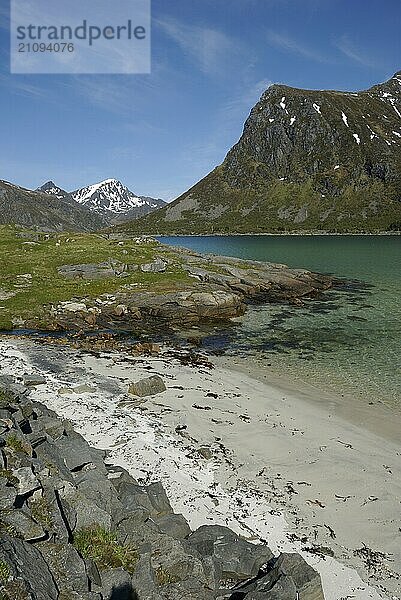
x: 39, y: 210
x: 307, y: 160
x: 110, y: 199
x: 54, y: 190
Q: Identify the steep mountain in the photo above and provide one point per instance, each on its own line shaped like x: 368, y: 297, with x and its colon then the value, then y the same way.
x: 53, y: 190
x: 43, y: 211
x: 115, y: 201
x: 307, y: 160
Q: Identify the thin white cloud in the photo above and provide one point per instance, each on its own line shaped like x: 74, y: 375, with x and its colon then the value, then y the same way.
x: 20, y: 85
x: 118, y: 93
x: 288, y: 44
x: 348, y: 48
x: 244, y: 101
x: 102, y: 92
x: 209, y: 48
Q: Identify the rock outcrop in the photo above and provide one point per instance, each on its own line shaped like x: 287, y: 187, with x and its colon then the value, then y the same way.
x: 220, y: 289
x: 73, y: 527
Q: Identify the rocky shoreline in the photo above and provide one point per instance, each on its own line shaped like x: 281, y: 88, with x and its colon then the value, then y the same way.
x: 73, y: 526
x: 220, y: 289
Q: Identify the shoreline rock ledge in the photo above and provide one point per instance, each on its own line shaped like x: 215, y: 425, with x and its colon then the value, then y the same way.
x: 73, y: 527
x: 219, y: 289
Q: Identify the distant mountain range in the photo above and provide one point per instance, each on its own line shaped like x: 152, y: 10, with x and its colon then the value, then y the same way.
x: 307, y: 160
x: 110, y: 199
x: 43, y: 211
x: 88, y: 209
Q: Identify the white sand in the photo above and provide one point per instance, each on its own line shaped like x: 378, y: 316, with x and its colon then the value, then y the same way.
x: 275, y: 455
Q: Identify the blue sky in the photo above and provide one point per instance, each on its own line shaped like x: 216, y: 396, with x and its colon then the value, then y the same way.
x: 211, y: 60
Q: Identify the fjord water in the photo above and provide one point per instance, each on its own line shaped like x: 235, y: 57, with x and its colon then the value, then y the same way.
x: 347, y: 343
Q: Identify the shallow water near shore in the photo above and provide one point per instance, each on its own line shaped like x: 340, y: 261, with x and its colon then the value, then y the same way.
x: 349, y: 341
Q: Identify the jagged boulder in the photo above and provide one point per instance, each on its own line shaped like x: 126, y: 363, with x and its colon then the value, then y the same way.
x: 29, y: 571
x: 235, y: 558
x: 157, y: 266
x: 290, y: 577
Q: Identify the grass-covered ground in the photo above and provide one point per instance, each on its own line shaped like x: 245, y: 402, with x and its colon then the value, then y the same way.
x: 263, y: 206
x: 29, y: 279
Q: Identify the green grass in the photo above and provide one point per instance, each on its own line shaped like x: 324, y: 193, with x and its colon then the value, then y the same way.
x: 40, y: 511
x: 18, y: 445
x: 11, y: 479
x: 163, y: 577
x: 5, y: 398
x: 33, y: 296
x: 5, y: 572
x: 100, y: 545
x: 14, y: 590
x: 7, y: 528
x: 255, y: 206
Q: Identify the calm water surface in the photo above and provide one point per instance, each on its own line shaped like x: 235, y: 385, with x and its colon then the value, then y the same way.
x: 348, y: 343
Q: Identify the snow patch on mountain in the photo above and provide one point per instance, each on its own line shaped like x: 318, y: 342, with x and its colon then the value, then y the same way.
x: 110, y: 198
x: 52, y: 189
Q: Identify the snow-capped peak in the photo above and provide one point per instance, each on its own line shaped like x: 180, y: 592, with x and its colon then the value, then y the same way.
x: 110, y: 198
x: 108, y: 195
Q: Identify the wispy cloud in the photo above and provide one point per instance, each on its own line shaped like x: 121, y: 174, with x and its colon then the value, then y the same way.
x: 209, y: 48
x: 21, y: 86
x: 245, y: 100
x: 110, y: 94
x: 288, y: 44
x: 348, y: 48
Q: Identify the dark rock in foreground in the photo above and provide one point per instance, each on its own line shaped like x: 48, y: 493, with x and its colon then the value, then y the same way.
x: 75, y: 528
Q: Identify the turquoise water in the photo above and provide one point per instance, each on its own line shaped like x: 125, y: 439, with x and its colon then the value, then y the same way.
x: 349, y: 343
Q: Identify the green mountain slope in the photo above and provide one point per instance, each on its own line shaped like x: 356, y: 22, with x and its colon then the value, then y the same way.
x: 307, y: 160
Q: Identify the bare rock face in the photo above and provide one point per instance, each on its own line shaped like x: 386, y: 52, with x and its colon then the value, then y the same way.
x: 291, y: 577
x: 190, y: 306
x: 234, y: 557
x: 110, y: 268
x: 157, y: 266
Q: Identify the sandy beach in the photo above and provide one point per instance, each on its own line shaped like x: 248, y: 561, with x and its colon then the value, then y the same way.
x: 302, y: 470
